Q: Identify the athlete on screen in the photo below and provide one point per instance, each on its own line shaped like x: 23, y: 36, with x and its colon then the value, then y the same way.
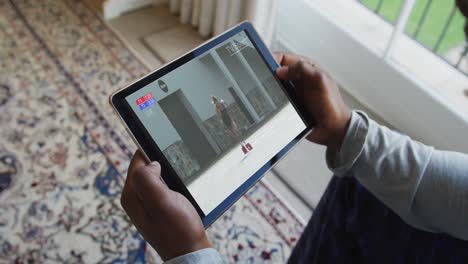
x: 225, y: 118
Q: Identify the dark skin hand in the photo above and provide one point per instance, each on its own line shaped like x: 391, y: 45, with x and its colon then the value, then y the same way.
x: 319, y: 94
x: 165, y: 219
x: 168, y: 221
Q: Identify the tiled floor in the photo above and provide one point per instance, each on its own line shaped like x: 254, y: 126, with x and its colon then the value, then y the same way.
x: 157, y: 37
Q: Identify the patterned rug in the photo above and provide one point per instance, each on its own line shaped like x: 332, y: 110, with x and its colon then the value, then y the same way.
x: 63, y: 153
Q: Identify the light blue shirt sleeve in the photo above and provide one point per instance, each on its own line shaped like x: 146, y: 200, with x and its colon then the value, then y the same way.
x: 427, y: 188
x: 205, y: 256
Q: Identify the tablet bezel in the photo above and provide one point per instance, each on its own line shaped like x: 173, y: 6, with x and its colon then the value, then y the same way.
x: 149, y: 147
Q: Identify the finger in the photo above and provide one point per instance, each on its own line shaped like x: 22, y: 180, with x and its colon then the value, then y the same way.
x: 128, y: 198
x: 138, y: 160
x: 282, y: 72
x: 148, y: 184
x: 135, y: 211
x: 285, y: 59
x: 297, y: 71
x: 278, y: 55
x: 125, y: 200
x: 316, y: 137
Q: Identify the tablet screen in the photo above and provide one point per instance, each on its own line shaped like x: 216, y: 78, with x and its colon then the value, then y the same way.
x: 218, y: 118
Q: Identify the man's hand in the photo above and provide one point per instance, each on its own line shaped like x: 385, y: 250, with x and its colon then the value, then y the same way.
x: 166, y: 219
x: 318, y: 93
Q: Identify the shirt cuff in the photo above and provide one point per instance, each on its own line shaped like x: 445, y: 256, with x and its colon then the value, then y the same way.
x: 206, y: 255
x: 341, y: 161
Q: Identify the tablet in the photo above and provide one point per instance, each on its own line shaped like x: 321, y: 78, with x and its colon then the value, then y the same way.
x: 216, y: 118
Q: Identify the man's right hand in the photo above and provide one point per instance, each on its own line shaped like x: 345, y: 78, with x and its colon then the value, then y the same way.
x: 166, y: 219
x: 319, y: 95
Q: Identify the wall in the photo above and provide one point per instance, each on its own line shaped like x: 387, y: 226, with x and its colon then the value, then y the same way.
x: 233, y: 63
x: 198, y: 80
x: 181, y: 160
x: 201, y: 79
x: 385, y: 88
x: 115, y: 8
x: 180, y: 157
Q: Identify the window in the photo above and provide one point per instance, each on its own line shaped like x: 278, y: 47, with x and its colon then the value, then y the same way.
x: 382, y: 53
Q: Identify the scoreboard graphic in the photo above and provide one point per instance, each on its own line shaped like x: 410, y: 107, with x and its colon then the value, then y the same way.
x: 145, y: 101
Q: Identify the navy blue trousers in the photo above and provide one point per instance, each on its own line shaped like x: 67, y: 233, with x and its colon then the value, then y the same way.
x: 350, y: 225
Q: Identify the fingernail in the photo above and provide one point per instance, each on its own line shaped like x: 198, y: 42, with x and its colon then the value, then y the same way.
x: 155, y: 164
x: 282, y: 71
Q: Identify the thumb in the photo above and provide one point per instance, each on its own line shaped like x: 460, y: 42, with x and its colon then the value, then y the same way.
x: 148, y: 184
x: 300, y: 71
x: 304, y: 76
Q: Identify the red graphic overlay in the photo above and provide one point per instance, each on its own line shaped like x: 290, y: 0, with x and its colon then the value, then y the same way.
x: 144, y: 98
